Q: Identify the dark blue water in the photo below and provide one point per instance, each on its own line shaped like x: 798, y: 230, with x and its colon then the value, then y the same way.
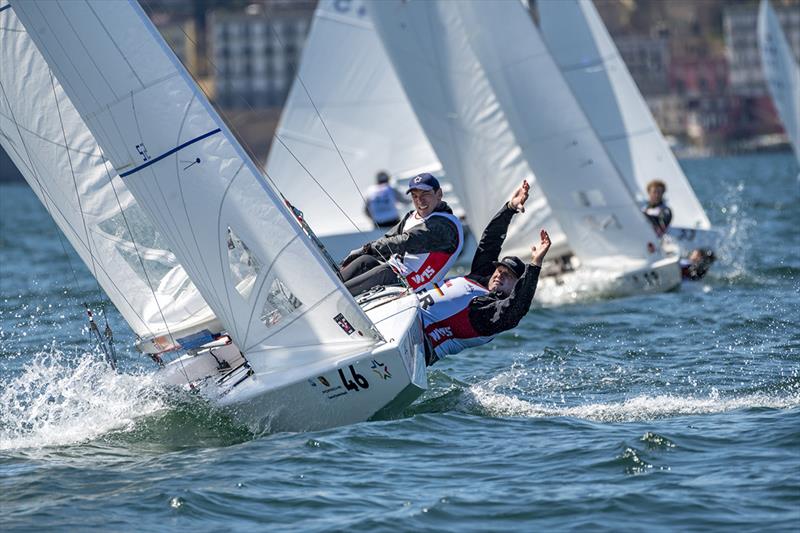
x: 677, y: 411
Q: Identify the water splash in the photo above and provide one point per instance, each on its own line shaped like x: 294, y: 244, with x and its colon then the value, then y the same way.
x: 59, y: 400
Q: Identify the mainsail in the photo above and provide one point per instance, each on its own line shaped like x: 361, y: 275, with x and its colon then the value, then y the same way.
x: 261, y: 275
x: 448, y: 89
x: 57, y: 155
x: 782, y: 72
x: 485, y: 63
x: 589, y: 60
x: 345, y: 91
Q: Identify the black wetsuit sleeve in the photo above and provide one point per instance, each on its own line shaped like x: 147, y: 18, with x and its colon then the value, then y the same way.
x: 490, y: 245
x: 490, y: 315
x: 436, y: 234
x: 666, y: 217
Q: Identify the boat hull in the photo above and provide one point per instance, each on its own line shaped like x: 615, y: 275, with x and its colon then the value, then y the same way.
x: 586, y: 283
x: 339, y: 391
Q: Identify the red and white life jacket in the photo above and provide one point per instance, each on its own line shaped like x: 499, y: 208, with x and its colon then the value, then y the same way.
x: 445, y: 316
x: 420, y: 270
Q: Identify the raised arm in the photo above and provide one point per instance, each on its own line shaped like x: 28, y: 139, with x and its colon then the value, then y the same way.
x: 495, y: 233
x: 490, y: 315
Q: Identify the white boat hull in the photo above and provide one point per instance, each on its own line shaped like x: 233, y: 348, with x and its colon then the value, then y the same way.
x: 586, y: 283
x: 333, y: 392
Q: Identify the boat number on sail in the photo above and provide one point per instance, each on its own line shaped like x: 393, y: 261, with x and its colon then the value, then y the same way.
x: 143, y: 151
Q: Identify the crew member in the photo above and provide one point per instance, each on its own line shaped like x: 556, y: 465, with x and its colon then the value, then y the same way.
x: 469, y: 311
x: 421, y: 248
x: 381, y: 202
x: 696, y: 266
x: 656, y: 210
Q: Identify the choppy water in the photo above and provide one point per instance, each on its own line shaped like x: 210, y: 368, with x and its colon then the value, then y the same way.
x: 675, y: 411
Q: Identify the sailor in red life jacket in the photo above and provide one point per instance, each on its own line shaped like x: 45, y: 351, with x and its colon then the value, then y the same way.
x: 421, y: 248
x: 469, y: 311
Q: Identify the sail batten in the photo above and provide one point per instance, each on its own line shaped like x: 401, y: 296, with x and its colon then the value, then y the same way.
x: 239, y: 244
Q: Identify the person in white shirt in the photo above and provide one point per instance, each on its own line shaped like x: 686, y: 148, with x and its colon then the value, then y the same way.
x: 381, y: 202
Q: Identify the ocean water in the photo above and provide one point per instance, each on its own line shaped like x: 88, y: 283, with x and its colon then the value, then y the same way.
x: 678, y: 411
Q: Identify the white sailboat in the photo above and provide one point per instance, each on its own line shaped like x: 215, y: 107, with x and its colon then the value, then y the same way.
x: 299, y: 352
x: 345, y: 119
x: 782, y: 72
x: 597, y: 76
x: 495, y: 106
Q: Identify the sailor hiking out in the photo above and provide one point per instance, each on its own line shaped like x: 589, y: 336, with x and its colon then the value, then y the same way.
x: 470, y: 310
x: 419, y: 250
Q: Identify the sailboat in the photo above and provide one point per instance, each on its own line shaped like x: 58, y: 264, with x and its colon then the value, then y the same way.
x: 345, y: 119
x: 283, y: 345
x: 782, y: 72
x: 597, y: 76
x: 490, y: 99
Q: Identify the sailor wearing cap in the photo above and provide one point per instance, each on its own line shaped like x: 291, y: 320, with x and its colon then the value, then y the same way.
x: 421, y: 248
x: 470, y: 310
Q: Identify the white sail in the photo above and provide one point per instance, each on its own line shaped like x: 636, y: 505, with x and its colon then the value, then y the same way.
x: 782, y: 72
x: 457, y: 108
x: 485, y: 64
x: 57, y: 155
x: 589, y: 60
x: 282, y: 304
x: 347, y: 92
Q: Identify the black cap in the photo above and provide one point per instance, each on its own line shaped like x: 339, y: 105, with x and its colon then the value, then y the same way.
x: 424, y: 181
x: 512, y: 263
x: 382, y: 177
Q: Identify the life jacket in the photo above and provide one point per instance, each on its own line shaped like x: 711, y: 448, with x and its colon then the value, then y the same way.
x: 381, y: 204
x: 445, y: 316
x: 657, y: 214
x: 422, y: 269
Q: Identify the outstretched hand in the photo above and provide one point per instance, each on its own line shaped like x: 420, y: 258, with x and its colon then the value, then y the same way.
x: 538, y: 252
x: 520, y: 197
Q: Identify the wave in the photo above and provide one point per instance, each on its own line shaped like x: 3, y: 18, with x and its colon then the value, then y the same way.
x: 643, y: 407
x: 502, y: 396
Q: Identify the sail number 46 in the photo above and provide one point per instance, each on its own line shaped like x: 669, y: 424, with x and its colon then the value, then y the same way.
x: 360, y: 381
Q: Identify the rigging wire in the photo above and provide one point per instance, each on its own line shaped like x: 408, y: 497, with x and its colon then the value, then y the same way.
x: 110, y: 356
x: 261, y: 165
x: 107, y: 346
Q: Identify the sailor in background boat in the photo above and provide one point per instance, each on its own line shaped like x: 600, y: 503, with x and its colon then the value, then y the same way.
x: 696, y: 266
x: 421, y: 248
x: 656, y: 210
x: 381, y: 202
x: 470, y: 310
